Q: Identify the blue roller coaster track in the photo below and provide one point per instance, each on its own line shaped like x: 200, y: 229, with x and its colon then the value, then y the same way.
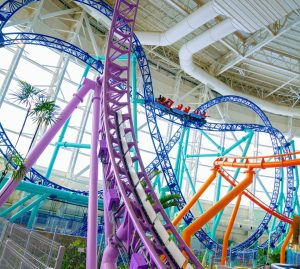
x: 9, y: 8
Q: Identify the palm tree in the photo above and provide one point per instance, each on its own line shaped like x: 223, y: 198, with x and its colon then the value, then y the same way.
x: 17, y: 160
x: 26, y: 95
x: 44, y: 113
x: 169, y: 200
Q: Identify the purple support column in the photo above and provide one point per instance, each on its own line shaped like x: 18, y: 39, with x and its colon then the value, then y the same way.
x: 91, y: 257
x: 36, y: 152
x: 110, y: 254
x: 137, y: 261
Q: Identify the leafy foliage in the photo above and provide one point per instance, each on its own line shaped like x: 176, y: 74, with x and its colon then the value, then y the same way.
x: 17, y: 160
x: 73, y: 258
x: 274, y: 256
x: 169, y: 200
x: 25, y: 94
x: 44, y: 111
x: 20, y: 173
x: 166, y: 201
x: 261, y: 256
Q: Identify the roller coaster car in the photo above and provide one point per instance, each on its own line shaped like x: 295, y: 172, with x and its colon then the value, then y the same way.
x: 179, y: 107
x: 103, y: 152
x: 161, y: 100
x: 198, y: 117
x: 163, y: 103
x: 179, y: 110
x: 169, y: 103
x: 187, y: 109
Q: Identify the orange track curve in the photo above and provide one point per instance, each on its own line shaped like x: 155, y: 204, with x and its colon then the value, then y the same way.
x: 252, y: 162
x: 254, y: 198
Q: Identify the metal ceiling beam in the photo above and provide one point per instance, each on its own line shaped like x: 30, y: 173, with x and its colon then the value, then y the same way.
x: 257, y: 47
x: 280, y: 87
x: 17, y: 57
x: 42, y: 17
x: 190, y: 92
x: 269, y: 65
x: 92, y: 36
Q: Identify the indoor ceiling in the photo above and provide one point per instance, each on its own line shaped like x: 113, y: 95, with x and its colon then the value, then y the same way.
x: 264, y: 63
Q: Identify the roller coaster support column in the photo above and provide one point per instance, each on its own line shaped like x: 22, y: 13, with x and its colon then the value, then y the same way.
x: 284, y: 245
x: 110, y: 254
x: 248, y: 143
x: 28, y: 207
x: 36, y: 152
x: 178, y: 158
x: 229, y: 229
x: 296, y: 203
x: 134, y: 100
x: 190, y: 230
x: 62, y: 133
x: 194, y: 192
x: 32, y: 217
x: 218, y: 185
x: 91, y: 257
x: 73, y: 145
x: 182, y: 163
x: 195, y: 198
x: 17, y: 204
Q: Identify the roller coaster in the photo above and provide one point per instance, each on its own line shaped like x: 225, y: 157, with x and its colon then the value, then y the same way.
x: 132, y: 222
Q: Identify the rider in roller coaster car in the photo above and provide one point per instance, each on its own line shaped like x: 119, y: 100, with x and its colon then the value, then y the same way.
x: 179, y: 107
x: 187, y: 109
x: 161, y: 99
x: 164, y: 101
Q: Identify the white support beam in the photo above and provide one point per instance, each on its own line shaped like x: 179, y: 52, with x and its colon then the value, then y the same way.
x: 190, y: 92
x: 59, y: 13
x: 266, y: 41
x: 92, y: 36
x: 80, y: 135
x: 42, y: 17
x: 280, y: 87
x: 82, y: 171
x: 59, y: 76
x: 17, y: 57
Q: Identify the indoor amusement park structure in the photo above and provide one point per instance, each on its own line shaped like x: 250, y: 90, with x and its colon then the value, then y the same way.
x: 131, y: 221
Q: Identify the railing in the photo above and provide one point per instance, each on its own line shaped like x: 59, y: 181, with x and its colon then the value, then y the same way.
x: 21, y: 249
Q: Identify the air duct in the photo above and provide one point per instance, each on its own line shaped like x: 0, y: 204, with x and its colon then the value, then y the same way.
x: 242, y: 16
x: 210, y: 36
x: 198, y: 18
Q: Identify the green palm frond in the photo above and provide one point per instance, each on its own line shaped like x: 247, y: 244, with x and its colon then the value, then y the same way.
x: 44, y: 111
x: 168, y: 198
x: 169, y: 204
x: 25, y: 94
x: 20, y: 173
x: 16, y: 158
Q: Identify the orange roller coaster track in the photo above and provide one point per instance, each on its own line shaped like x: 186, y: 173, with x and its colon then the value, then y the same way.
x: 254, y: 198
x: 261, y: 162
x: 239, y: 188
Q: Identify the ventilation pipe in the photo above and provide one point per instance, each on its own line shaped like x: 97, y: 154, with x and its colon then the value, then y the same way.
x: 246, y: 20
x: 198, y: 18
x: 210, y: 36
x: 202, y: 41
